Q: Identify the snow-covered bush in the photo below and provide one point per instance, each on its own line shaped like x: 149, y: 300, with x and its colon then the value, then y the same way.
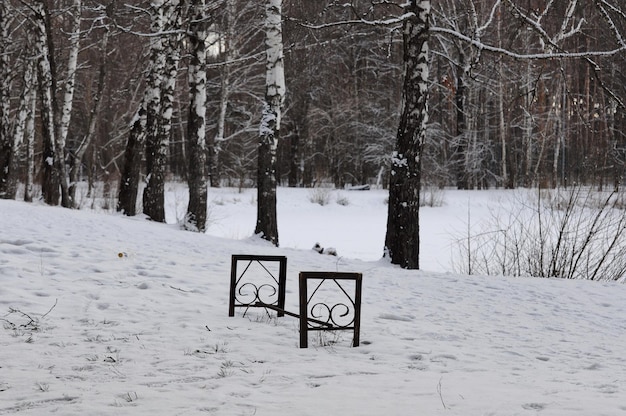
x: 342, y: 200
x: 320, y: 196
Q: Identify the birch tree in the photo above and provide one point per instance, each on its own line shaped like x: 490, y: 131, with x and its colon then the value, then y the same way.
x: 23, y: 116
x: 266, y: 223
x: 145, y: 126
x: 75, y: 13
x: 225, y: 89
x: 196, y: 216
x: 55, y: 119
x: 29, y: 133
x: 78, y: 153
x: 402, y: 238
x: 7, y: 148
x: 160, y: 111
x: 236, y: 87
x: 52, y: 154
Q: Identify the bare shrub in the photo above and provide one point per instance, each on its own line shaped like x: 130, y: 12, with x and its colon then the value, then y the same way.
x: 431, y: 196
x: 342, y: 200
x: 570, y: 234
x: 320, y: 196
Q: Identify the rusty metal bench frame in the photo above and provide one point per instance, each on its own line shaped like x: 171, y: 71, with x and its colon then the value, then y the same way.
x: 314, y: 314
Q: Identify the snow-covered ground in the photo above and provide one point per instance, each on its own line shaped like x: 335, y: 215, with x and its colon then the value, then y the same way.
x: 107, y: 315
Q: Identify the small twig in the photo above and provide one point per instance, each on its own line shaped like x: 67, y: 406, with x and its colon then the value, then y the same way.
x: 25, y: 315
x: 9, y: 324
x: 440, y: 395
x: 50, y: 310
x: 179, y: 289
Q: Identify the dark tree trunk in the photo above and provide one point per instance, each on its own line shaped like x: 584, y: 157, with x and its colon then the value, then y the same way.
x: 154, y: 192
x: 129, y: 183
x: 196, y: 217
x: 78, y: 154
x: 402, y: 238
x: 158, y: 138
x: 267, y: 224
x: 460, y: 151
x: 51, y: 182
x: 294, y: 157
x: 7, y: 150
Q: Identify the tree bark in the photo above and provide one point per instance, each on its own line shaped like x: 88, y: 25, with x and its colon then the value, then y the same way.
x: 462, y: 135
x: 196, y: 216
x: 79, y: 153
x: 162, y: 108
x: 402, y: 238
x: 29, y: 139
x: 7, y: 150
x: 267, y: 224
x: 145, y: 122
x: 50, y: 187
x: 68, y: 96
x: 129, y: 182
x: 225, y: 90
x: 54, y: 123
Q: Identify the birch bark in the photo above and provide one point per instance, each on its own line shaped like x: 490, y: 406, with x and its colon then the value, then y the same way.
x: 52, y: 155
x: 29, y: 139
x: 161, y: 108
x: 23, y: 114
x: 402, y: 238
x: 266, y: 224
x: 145, y: 121
x: 7, y: 155
x: 79, y: 152
x: 225, y: 90
x: 68, y: 96
x: 196, y: 216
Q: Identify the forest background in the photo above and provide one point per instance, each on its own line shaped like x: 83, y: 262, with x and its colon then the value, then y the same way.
x: 520, y: 93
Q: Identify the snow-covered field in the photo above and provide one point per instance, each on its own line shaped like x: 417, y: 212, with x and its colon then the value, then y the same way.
x: 107, y: 315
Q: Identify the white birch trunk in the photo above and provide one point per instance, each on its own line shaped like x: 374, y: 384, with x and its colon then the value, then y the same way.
x: 157, y: 68
x: 72, y: 64
x: 80, y: 151
x: 195, y: 219
x: 225, y: 81
x: 527, y: 126
x: 25, y: 104
x: 24, y: 113
x: 162, y: 110
x: 6, y: 148
x: 402, y: 239
x: 144, y: 126
x: 29, y: 139
x: 55, y: 172
x: 51, y: 153
x: 266, y: 225
x: 502, y: 131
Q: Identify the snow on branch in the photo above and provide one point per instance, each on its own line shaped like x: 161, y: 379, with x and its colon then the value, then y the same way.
x: 600, y: 5
x: 383, y: 22
x: 512, y: 54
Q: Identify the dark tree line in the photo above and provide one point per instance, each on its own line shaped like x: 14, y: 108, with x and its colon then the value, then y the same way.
x: 465, y: 93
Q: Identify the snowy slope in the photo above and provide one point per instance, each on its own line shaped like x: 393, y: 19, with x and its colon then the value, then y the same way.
x: 147, y: 333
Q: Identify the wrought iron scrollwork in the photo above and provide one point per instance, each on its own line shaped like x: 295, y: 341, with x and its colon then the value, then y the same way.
x: 332, y: 314
x: 249, y: 293
x: 245, y: 293
x: 329, y: 315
